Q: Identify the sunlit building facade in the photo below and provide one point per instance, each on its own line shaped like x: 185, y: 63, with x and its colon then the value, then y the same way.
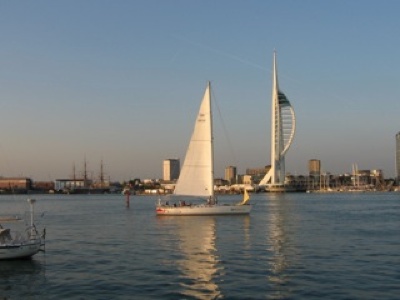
x: 171, y: 169
x: 314, y: 167
x: 314, y: 174
x: 230, y: 174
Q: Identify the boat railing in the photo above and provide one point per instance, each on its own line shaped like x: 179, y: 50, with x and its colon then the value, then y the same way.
x: 32, y: 232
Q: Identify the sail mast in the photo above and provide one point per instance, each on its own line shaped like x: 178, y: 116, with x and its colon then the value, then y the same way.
x: 273, y: 120
x: 211, y: 140
x: 277, y: 160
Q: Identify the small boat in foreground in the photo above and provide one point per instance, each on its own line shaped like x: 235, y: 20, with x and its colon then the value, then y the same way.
x: 196, y: 178
x: 14, y: 245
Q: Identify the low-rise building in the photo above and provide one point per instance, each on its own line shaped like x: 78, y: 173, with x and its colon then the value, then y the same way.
x: 15, y: 184
x: 71, y: 184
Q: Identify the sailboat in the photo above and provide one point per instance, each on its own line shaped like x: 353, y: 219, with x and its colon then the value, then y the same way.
x: 14, y: 245
x: 197, y: 175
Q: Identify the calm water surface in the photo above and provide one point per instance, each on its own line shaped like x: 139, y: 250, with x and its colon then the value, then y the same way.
x: 292, y: 246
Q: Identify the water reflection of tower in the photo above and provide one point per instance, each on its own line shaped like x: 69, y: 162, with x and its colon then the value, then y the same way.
x: 277, y: 246
x: 199, y: 263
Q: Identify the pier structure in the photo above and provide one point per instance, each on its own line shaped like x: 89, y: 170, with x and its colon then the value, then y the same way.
x: 283, y: 125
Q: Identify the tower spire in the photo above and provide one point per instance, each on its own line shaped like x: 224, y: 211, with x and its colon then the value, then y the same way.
x: 282, y: 133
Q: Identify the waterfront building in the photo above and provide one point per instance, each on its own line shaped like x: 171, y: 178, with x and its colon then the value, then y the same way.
x: 367, y: 179
x: 398, y: 157
x: 171, y: 169
x: 376, y: 178
x: 296, y: 182
x: 230, y: 174
x: 283, y: 125
x: 72, y: 184
x: 258, y: 171
x: 314, y: 174
x: 314, y: 167
x: 15, y: 184
x: 220, y: 182
x: 43, y: 186
x: 257, y: 174
x: 362, y: 178
x: 247, y: 180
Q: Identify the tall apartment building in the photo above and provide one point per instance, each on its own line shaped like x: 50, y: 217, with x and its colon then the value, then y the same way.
x: 171, y: 169
x: 314, y: 172
x: 230, y: 174
x: 398, y: 157
x: 314, y: 167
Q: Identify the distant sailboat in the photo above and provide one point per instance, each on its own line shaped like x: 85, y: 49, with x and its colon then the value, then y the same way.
x: 197, y: 175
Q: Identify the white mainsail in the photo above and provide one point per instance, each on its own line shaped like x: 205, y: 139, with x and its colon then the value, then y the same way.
x: 196, y: 177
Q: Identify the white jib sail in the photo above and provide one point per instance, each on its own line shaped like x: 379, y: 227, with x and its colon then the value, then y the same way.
x: 196, y: 177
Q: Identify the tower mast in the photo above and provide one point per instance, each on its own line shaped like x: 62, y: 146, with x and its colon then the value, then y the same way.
x: 277, y: 160
x: 282, y: 132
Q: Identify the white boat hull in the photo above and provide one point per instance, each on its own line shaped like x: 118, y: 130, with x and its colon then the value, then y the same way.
x: 200, y: 210
x: 23, y: 250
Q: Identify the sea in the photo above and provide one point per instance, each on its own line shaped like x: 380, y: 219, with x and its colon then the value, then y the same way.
x: 291, y: 246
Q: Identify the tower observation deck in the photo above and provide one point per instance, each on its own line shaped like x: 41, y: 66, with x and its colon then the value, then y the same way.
x: 283, y: 125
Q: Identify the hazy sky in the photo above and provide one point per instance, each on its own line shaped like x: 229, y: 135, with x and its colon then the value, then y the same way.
x: 122, y: 81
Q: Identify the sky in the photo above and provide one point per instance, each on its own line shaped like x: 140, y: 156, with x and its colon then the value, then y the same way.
x: 121, y: 82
